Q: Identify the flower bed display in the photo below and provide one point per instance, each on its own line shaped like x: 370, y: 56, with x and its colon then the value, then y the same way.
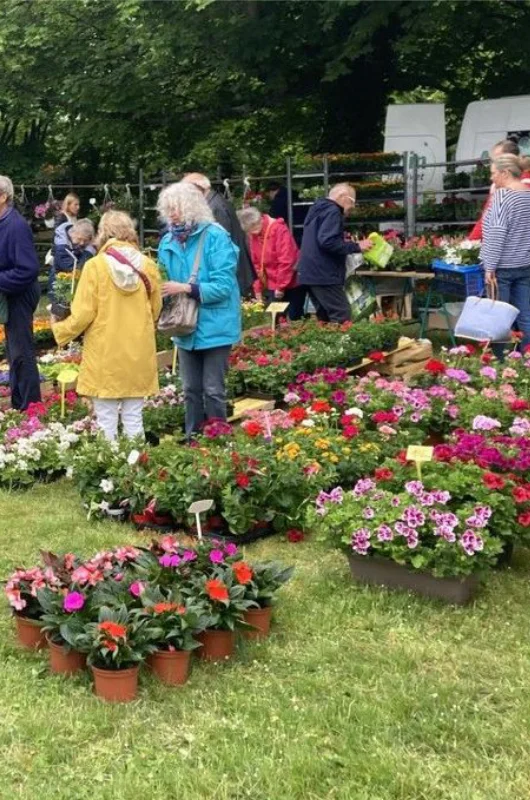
x: 126, y: 606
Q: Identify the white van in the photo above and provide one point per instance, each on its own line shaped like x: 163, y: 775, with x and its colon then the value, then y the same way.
x: 486, y: 122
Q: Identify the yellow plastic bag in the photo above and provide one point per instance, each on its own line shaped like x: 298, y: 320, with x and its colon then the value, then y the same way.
x: 381, y: 252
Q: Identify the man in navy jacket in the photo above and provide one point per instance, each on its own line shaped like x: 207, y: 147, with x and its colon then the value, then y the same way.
x: 322, y: 263
x: 19, y: 270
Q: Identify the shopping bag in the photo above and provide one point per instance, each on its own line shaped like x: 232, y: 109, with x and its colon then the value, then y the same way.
x: 361, y: 297
x: 380, y: 253
x: 486, y: 319
x: 353, y: 262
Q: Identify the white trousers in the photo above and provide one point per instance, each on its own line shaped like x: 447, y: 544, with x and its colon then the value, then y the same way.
x: 108, y: 415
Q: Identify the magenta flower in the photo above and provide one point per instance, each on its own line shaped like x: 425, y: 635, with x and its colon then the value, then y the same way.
x: 136, y: 588
x: 189, y: 555
x: 73, y: 601
x: 217, y: 556
x: 230, y: 549
x: 169, y: 560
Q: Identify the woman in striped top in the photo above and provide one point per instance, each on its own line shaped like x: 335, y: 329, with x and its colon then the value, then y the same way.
x: 505, y: 251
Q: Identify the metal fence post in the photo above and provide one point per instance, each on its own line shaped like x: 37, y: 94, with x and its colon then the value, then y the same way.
x: 326, y: 174
x: 412, y: 194
x: 289, y: 194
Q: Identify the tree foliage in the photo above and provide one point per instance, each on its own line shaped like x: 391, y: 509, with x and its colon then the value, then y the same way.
x: 100, y: 88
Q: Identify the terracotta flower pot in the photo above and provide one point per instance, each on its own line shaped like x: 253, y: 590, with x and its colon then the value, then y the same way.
x: 65, y: 662
x: 29, y: 633
x: 216, y: 645
x: 171, y: 667
x: 116, y: 685
x: 259, y: 618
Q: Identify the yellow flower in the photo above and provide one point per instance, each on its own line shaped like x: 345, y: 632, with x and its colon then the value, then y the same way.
x: 322, y: 444
x: 278, y: 440
x: 334, y: 459
x: 369, y: 447
x: 346, y: 451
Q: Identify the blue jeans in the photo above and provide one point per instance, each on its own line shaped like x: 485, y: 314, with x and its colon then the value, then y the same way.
x: 202, y: 373
x: 514, y: 288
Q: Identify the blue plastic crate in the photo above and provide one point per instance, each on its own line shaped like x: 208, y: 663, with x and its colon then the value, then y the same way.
x: 458, y: 280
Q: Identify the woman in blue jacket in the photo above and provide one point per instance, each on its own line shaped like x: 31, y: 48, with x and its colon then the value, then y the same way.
x: 203, y: 355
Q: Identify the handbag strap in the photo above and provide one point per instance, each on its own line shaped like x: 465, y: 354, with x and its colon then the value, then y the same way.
x: 261, y: 270
x: 123, y: 260
x: 197, y: 259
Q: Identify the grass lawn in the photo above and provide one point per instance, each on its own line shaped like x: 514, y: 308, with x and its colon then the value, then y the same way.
x: 358, y: 695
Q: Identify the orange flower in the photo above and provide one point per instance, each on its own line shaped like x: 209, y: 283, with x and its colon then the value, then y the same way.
x: 216, y: 590
x: 161, y: 608
x: 113, y: 629
x: 242, y: 572
x: 110, y: 645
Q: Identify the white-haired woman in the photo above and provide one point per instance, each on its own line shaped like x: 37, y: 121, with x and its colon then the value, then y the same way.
x: 203, y: 354
x: 115, y: 306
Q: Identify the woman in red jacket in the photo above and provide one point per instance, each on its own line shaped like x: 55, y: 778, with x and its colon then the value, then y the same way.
x: 505, y: 146
x: 274, y: 254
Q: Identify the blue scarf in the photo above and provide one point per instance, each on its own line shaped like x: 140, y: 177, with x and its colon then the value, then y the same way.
x: 182, y: 231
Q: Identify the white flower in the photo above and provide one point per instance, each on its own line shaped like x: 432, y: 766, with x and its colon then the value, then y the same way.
x: 354, y: 412
x: 308, y: 423
x: 22, y: 465
x: 134, y: 455
x: 92, y: 201
x: 70, y: 473
x: 106, y: 486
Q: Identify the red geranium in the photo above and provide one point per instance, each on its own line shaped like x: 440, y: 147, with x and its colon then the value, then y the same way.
x: 253, y: 428
x: 242, y: 572
x: 443, y: 452
x: 242, y: 480
x: 435, y: 367
x: 384, y: 417
x: 163, y: 475
x: 383, y: 474
x: 298, y: 414
x: 401, y: 457
x: 216, y: 590
x: 377, y: 355
x: 350, y: 431
x: 110, y: 645
x: 493, y: 481
x: 321, y: 407
x: 519, y: 405
x: 521, y: 494
x: 517, y: 336
x: 524, y: 519
x: 295, y: 535
x: 144, y: 459
x: 486, y: 358
x: 470, y: 349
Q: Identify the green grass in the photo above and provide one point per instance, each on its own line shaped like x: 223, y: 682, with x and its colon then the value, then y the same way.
x: 359, y: 694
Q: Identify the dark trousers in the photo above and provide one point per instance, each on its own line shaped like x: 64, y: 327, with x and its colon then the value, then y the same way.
x: 202, y: 373
x: 331, y: 303
x: 296, y: 299
x: 20, y: 349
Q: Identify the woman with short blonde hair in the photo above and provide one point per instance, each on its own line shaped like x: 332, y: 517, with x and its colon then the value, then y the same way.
x: 115, y: 308
x: 69, y: 210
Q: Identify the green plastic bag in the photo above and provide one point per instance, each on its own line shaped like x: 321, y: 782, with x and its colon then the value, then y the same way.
x: 4, y: 309
x: 361, y: 296
x: 381, y: 252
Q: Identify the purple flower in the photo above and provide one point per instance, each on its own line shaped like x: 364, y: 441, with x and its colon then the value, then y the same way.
x: 136, y: 588
x: 453, y: 411
x: 363, y: 398
x: 489, y: 372
x: 230, y: 549
x: 368, y: 513
x: 459, y: 375
x: 482, y: 423
x: 446, y: 533
x: 73, y: 601
x: 413, y: 517
x: 169, y: 560
x: 395, y: 502
x: 384, y: 533
x: 427, y: 499
x: 442, y: 497
x: 412, y: 540
x: 339, y: 397
x: 189, y: 555
x: 415, y: 488
x: 217, y: 556
x: 471, y: 542
x: 363, y: 486
x: 360, y: 541
x: 515, y: 354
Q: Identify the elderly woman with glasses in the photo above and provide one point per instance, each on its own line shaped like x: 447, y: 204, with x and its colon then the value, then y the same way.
x: 203, y: 355
x: 322, y: 264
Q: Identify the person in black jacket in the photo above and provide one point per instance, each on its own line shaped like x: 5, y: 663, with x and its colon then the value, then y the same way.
x: 225, y: 214
x: 19, y: 270
x: 322, y: 263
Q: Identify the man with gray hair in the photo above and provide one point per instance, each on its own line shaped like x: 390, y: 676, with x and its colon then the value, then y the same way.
x: 225, y: 214
x: 72, y: 247
x: 19, y: 270
x: 322, y: 264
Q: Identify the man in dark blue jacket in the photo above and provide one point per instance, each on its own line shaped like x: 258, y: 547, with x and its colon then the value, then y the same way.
x: 19, y: 270
x: 72, y: 247
x: 322, y: 263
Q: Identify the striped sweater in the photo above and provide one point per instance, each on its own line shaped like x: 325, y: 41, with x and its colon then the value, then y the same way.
x: 506, y: 231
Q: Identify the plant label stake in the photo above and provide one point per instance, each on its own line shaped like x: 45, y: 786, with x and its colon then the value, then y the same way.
x: 198, y: 508
x: 274, y: 309
x: 65, y: 377
x: 419, y: 455
x: 174, y: 363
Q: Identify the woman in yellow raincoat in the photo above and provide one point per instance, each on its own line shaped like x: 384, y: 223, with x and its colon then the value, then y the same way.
x: 116, y: 306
